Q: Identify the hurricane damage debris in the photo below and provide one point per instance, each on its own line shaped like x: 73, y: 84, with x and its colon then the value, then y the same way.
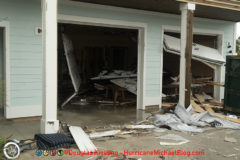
x: 82, y: 139
x: 186, y: 120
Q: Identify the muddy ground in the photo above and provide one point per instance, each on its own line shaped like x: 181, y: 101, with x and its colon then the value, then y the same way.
x: 211, y: 142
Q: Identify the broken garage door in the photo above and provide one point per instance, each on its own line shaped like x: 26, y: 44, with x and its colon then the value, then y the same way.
x: 200, y: 52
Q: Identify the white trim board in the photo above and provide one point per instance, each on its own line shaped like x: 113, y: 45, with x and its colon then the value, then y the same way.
x: 131, y: 10
x: 23, y: 111
x: 141, y: 27
x: 6, y: 26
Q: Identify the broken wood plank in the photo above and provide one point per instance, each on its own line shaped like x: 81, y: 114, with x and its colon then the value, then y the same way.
x: 226, y: 117
x: 213, y: 106
x: 201, y: 80
x: 197, y: 108
x: 215, y: 102
x: 209, y: 109
x: 200, y: 98
x: 214, y: 83
x: 168, y: 104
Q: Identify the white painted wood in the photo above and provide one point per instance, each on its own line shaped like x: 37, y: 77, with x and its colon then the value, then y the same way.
x: 6, y: 26
x: 154, y: 100
x: 23, y: 111
x: 141, y: 27
x: 82, y: 139
x: 49, y: 122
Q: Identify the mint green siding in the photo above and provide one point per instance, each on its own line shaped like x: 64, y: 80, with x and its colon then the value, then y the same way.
x: 26, y: 47
x: 1, y: 68
x: 25, y: 50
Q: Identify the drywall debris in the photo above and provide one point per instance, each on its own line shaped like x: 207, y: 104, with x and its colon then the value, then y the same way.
x: 82, y: 139
x: 180, y: 140
x: 230, y: 139
x: 104, y: 134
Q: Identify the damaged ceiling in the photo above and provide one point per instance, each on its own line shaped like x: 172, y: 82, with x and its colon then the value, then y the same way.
x: 172, y: 7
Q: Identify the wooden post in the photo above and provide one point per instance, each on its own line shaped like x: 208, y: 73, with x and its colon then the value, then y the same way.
x: 188, y: 57
x: 186, y: 53
x: 49, y: 122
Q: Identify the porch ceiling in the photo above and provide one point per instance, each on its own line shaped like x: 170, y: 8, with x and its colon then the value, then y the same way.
x: 172, y: 7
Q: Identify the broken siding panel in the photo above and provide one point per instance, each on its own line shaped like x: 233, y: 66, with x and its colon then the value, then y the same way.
x: 25, y: 50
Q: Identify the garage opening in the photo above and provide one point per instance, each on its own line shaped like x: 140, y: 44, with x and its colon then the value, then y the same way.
x: 206, y: 59
x: 97, y: 71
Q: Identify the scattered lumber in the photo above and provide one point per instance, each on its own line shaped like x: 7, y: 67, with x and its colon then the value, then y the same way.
x: 200, y: 98
x: 215, y: 102
x: 196, y: 107
x: 168, y: 104
x: 201, y: 80
x: 214, y: 83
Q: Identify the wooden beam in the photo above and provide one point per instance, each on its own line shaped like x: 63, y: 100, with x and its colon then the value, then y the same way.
x: 188, y: 56
x: 231, y: 5
x: 186, y: 26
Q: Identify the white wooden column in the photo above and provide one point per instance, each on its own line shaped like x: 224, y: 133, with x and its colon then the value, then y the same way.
x: 185, y: 8
x: 49, y: 122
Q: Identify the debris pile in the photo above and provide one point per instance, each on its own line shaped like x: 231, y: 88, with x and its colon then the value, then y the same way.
x: 187, y: 121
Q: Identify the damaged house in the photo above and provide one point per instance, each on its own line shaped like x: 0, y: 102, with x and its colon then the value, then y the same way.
x: 57, y: 52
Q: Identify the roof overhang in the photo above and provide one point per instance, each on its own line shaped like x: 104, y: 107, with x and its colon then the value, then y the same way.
x: 226, y: 4
x: 172, y: 7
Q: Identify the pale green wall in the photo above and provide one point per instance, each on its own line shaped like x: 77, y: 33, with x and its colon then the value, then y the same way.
x: 26, y: 47
x: 1, y: 68
x: 25, y: 50
x: 154, y: 26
